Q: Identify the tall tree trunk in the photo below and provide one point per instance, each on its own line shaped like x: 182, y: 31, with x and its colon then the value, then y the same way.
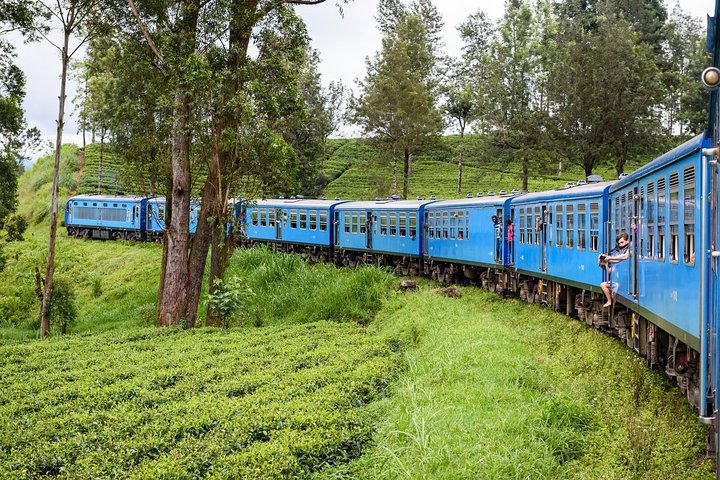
x: 100, y: 163
x: 203, y: 236
x: 394, y: 187
x: 525, y: 171
x: 460, y: 159
x: 50, y: 266
x: 174, y: 295
x: 406, y: 171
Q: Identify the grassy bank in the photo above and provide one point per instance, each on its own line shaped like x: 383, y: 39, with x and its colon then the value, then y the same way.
x: 498, y: 389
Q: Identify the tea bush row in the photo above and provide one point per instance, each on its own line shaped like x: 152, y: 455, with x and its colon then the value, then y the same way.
x: 275, y: 402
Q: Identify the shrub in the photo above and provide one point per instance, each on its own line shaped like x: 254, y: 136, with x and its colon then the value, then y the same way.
x: 15, y: 226
x: 63, y: 312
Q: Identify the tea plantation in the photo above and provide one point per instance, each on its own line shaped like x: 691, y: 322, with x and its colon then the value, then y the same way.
x: 278, y: 402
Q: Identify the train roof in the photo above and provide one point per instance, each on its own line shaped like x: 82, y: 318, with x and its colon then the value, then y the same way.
x: 295, y: 202
x: 474, y: 201
x: 384, y: 205
x: 569, y: 193
x: 687, y: 148
x: 108, y: 198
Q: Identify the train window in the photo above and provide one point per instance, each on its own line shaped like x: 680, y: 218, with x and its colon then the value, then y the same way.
x: 293, y: 219
x: 85, y: 204
x: 383, y: 224
x: 461, y: 224
x: 570, y: 226
x: 94, y: 204
x: 402, y: 224
x: 115, y: 205
x: 161, y: 213
x: 303, y: 219
x: 650, y: 215
x: 689, y: 215
x: 271, y: 217
x: 453, y: 224
x: 446, y: 224
x: 323, y: 221
x: 354, y: 222
x: 430, y: 224
x: 412, y: 224
x: 262, y: 218
x: 104, y: 204
x: 467, y: 224
x: 674, y: 245
x: 438, y: 224
x: 375, y: 224
x: 594, y: 226
x: 521, y: 237
x: 347, y: 222
x: 623, y: 213
x: 558, y: 225
x: 253, y: 216
x: 641, y: 216
x: 123, y: 205
x: 581, y: 227
x: 364, y: 221
x: 661, y: 215
x: 393, y: 224
x: 313, y: 219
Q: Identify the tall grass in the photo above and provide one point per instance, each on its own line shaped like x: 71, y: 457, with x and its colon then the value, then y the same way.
x: 286, y: 289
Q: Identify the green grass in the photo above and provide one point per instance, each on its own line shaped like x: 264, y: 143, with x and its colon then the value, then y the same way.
x: 497, y: 389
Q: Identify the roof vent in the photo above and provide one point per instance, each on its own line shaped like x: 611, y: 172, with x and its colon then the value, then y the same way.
x: 581, y: 182
x: 569, y: 184
x: 323, y: 197
x: 433, y: 197
x: 293, y: 197
x: 514, y: 191
x: 337, y: 198
x: 594, y: 179
x: 502, y: 192
x: 395, y: 196
x: 622, y: 175
x: 300, y: 197
x: 490, y: 194
x: 419, y: 197
x: 281, y: 197
x: 377, y: 199
x: 469, y: 195
x: 480, y: 194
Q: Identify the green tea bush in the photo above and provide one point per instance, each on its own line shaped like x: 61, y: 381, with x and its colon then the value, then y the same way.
x: 63, y: 312
x: 274, y: 402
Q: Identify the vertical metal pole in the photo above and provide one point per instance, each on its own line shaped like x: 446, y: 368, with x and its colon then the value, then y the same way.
x: 703, y: 282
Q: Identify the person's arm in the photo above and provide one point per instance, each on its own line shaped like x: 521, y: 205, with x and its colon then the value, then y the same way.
x: 618, y: 258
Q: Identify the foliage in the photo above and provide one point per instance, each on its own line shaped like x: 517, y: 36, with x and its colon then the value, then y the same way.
x: 15, y: 226
x: 63, y: 312
x: 228, y: 297
x: 260, y: 403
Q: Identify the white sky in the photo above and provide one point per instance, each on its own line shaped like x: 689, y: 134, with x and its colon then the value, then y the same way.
x: 343, y: 43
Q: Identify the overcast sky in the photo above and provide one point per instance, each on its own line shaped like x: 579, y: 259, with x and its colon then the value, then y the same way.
x: 343, y: 42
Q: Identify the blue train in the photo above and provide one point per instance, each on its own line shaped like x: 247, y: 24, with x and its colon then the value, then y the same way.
x: 120, y: 217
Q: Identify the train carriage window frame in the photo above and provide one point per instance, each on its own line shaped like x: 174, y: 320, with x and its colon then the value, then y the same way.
x: 689, y: 203
x: 364, y: 217
x: 312, y: 215
x: 392, y: 222
x: 293, y: 219
x: 650, y: 209
x: 412, y: 224
x: 570, y: 226
x: 445, y: 224
x: 467, y: 224
x: 559, y: 227
x: 537, y: 218
x: 594, y: 217
x: 354, y: 220
x: 383, y: 224
x: 430, y: 222
x: 323, y: 220
x: 521, y: 237
x: 253, y: 217
x: 581, y: 226
x: 346, y: 222
x: 302, y: 215
x: 262, y: 219
x: 461, y: 225
x: 272, y: 217
x: 661, y: 218
x: 453, y: 224
x: 402, y: 224
x: 674, y: 218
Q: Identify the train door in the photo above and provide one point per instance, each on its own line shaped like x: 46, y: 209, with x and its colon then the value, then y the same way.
x: 336, y: 227
x: 542, y: 232
x: 279, y: 219
x: 499, y: 230
x: 368, y: 230
x: 635, y: 230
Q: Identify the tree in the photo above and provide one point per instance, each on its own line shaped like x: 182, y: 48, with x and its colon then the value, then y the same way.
x: 460, y: 106
x: 602, y: 112
x: 397, y: 103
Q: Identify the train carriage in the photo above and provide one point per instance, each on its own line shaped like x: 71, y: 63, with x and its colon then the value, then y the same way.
x: 156, y: 214
x: 386, y: 229
x: 461, y: 238
x: 106, y: 217
x: 294, y: 224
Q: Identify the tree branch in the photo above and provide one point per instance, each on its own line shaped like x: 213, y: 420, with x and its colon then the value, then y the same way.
x: 145, y: 32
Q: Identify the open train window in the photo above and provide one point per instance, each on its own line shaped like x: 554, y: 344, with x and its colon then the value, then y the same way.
x: 354, y: 222
x: 313, y: 220
x: 253, y: 216
x: 430, y: 221
x: 570, y: 226
x: 521, y: 237
x: 271, y: 217
x: 581, y: 227
x: 594, y: 226
x: 383, y: 224
x: 293, y: 219
x: 661, y: 218
x: 303, y: 219
x: 538, y: 226
x: 412, y: 224
x: 467, y: 224
x: 453, y: 224
x: 347, y: 222
x: 674, y: 245
x: 446, y: 224
x: 402, y: 224
x: 323, y: 221
x: 559, y: 225
x: 689, y: 215
x: 262, y: 217
x: 650, y: 215
x: 393, y: 224
x: 461, y: 224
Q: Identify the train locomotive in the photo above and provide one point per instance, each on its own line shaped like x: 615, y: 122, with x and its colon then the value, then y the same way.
x: 543, y: 246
